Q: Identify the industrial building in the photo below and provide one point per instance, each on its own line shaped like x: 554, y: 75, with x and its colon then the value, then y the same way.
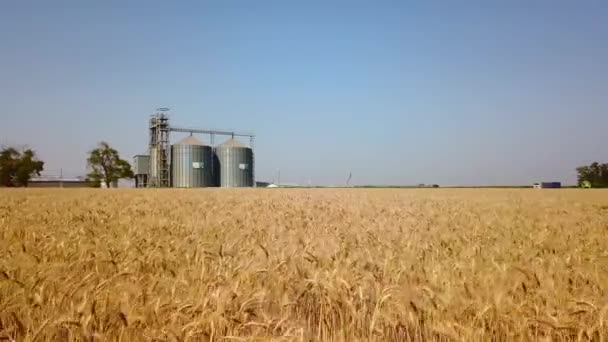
x: 57, y: 182
x: 191, y: 162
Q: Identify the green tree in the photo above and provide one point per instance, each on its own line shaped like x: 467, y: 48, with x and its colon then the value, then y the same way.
x: 106, y: 166
x: 17, y: 168
x: 595, y: 173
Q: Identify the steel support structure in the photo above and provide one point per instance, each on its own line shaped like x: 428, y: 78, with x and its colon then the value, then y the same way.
x: 159, y: 150
x: 211, y: 131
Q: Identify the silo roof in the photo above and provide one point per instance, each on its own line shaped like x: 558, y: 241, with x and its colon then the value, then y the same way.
x: 233, y: 143
x: 190, y: 140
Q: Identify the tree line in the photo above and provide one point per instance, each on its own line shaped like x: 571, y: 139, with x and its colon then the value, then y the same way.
x: 594, y: 175
x: 106, y: 166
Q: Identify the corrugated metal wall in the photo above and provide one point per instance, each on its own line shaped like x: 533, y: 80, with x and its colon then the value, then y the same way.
x: 235, y: 165
x: 191, y: 166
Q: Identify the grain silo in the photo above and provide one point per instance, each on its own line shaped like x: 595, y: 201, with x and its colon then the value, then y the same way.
x: 235, y: 164
x: 191, y: 164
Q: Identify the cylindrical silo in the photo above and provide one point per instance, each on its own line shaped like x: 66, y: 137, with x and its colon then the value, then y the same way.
x: 191, y: 164
x: 235, y: 164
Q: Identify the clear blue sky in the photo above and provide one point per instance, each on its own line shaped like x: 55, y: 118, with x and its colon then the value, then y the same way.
x: 398, y: 92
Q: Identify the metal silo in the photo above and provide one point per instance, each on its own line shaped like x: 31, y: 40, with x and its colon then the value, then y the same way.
x: 235, y: 164
x: 191, y: 164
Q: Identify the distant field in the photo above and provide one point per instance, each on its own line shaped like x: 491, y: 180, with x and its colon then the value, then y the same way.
x: 303, y: 264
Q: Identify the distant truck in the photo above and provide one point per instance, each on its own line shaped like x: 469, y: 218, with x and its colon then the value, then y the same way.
x: 422, y: 185
x: 547, y: 185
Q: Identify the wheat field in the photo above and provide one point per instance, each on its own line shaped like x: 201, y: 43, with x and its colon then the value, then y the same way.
x: 303, y: 265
